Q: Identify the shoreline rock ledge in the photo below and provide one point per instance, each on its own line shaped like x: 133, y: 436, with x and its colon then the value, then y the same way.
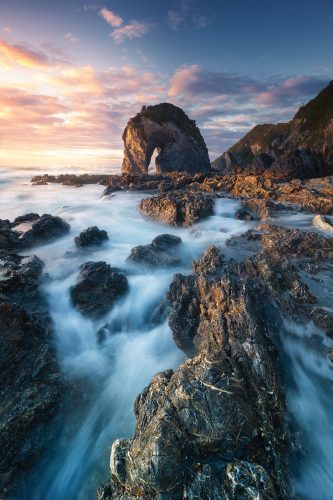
x: 177, y: 139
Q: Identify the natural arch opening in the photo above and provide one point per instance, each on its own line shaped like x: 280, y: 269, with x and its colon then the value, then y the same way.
x: 152, y: 163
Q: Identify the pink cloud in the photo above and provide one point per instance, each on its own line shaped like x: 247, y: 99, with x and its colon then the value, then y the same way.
x: 111, y: 18
x: 134, y: 29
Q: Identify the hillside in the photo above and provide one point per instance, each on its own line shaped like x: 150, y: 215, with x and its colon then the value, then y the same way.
x: 302, y: 148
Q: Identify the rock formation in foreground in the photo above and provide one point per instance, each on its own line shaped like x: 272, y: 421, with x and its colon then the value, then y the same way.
x: 216, y: 428
x: 168, y: 129
x: 302, y: 148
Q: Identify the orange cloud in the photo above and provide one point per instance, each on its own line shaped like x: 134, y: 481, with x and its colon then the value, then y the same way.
x: 22, y: 56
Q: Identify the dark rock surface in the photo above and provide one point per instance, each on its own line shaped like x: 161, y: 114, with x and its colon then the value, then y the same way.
x: 44, y: 228
x: 178, y: 141
x: 99, y: 286
x: 178, y: 208
x: 32, y: 389
x: 161, y: 252
x: 302, y: 148
x: 90, y: 237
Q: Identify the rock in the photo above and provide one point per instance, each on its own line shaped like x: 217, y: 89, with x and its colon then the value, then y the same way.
x: 216, y: 427
x: 322, y: 223
x: 43, y: 229
x: 46, y: 228
x: 91, y: 236
x: 32, y: 217
x: 98, y: 288
x: 31, y: 387
x: 210, y: 263
x: 177, y: 139
x: 8, y: 238
x: 19, y: 281
x: 166, y: 241
x: 34, y: 398
x: 69, y: 179
x: 242, y: 214
x: 162, y: 252
x: 178, y: 208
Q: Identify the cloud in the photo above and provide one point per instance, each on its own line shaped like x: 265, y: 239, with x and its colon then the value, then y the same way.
x: 175, y: 19
x: 6, y: 29
x: 71, y: 38
x: 134, y: 29
x: 194, y: 80
x: 111, y: 18
x: 69, y: 110
x: 23, y: 56
x: 186, y: 14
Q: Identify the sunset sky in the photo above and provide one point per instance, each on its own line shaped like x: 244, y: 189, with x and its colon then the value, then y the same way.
x: 73, y: 72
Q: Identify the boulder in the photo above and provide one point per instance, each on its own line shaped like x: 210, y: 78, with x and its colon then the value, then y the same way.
x: 178, y: 208
x: 46, y: 228
x: 161, y: 252
x: 91, y: 236
x: 168, y: 129
x: 99, y: 286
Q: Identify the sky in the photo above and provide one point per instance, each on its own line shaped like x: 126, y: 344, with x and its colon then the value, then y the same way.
x: 72, y: 72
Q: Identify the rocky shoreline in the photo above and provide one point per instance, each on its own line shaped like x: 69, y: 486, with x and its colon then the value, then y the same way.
x: 218, y: 425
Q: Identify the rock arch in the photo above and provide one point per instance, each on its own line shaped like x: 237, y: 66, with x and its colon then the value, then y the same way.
x: 168, y: 129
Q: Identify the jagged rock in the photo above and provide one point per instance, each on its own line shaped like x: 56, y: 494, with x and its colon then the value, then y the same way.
x: 216, y: 428
x: 178, y: 208
x: 161, y: 252
x: 32, y: 217
x: 177, y: 139
x: 91, y: 236
x: 32, y: 388
x: 210, y: 263
x: 44, y: 229
x: 299, y: 149
x: 8, y: 238
x: 322, y: 223
x: 99, y: 286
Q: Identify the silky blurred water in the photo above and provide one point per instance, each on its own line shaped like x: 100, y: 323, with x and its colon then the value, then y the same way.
x: 136, y: 346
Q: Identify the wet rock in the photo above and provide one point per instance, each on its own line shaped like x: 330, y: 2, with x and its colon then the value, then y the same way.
x: 33, y: 393
x: 98, y: 288
x: 162, y: 252
x: 178, y: 208
x: 69, y: 179
x: 91, y: 236
x: 19, y: 281
x: 46, y: 228
x: 210, y: 263
x: 32, y: 217
x: 8, y: 238
x: 216, y: 427
x: 177, y: 139
x: 242, y: 214
x: 322, y: 223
